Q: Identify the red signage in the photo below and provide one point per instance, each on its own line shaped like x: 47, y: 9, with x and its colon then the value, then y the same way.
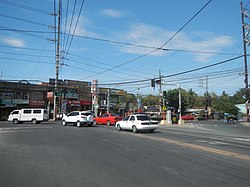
x: 36, y: 103
x: 78, y: 103
x: 74, y: 103
x: 84, y: 102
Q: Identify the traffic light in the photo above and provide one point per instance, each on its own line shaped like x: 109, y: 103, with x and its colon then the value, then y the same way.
x: 152, y: 82
x: 164, y: 94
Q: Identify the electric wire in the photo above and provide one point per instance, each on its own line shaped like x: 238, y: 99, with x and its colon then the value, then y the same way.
x: 27, y: 34
x: 24, y: 20
x: 78, y: 17
x: 65, y: 25
x: 123, y: 43
x: 183, y: 72
x: 153, y: 51
x: 70, y: 26
x: 25, y: 7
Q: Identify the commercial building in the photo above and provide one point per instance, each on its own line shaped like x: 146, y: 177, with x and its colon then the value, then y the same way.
x: 71, y: 95
x: 21, y: 94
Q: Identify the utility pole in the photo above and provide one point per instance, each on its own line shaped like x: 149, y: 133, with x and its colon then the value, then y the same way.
x: 245, y: 40
x: 206, y: 99
x: 160, y: 90
x: 57, y: 59
x: 108, y: 101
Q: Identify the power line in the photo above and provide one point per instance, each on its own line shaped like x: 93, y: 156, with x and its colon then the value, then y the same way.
x: 25, y: 7
x: 22, y: 54
x: 26, y: 48
x: 35, y: 61
x: 155, y: 50
x: 180, y: 73
x: 106, y: 64
x: 69, y: 30
x: 65, y: 26
x: 186, y: 24
x: 75, y: 27
x: 24, y: 20
x: 122, y: 43
x: 28, y: 34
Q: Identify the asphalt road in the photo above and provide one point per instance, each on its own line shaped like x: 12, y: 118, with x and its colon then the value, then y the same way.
x: 194, y: 154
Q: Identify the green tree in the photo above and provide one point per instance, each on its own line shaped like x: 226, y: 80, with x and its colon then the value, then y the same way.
x: 239, y: 97
x: 150, y: 100
x: 173, y: 99
x: 224, y: 104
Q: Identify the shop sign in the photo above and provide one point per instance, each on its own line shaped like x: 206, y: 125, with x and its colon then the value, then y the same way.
x: 50, y: 94
x: 52, y: 82
x: 84, y: 102
x: 20, y: 101
x: 37, y: 103
x: 6, y: 102
x: 74, y: 103
x: 94, y: 87
x: 71, y: 94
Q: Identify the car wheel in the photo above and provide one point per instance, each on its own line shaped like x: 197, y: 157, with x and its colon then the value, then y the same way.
x: 78, y: 124
x: 108, y: 123
x: 134, y: 129
x: 118, y: 127
x: 15, y: 121
x: 33, y: 121
x: 64, y: 123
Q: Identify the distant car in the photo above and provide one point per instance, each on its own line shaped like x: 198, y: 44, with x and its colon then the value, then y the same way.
x: 187, y: 117
x: 108, y: 119
x: 231, y: 118
x: 137, y: 122
x: 60, y: 115
x: 78, y: 118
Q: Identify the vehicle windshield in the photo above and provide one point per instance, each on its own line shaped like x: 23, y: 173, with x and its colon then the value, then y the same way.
x: 86, y: 114
x: 143, y: 118
x: 114, y: 114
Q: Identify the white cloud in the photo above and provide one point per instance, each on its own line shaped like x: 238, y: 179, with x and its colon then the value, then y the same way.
x: 155, y: 37
x: 14, y: 42
x: 81, y: 26
x: 112, y: 13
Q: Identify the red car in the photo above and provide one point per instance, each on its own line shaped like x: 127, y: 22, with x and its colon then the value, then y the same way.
x: 109, y: 119
x: 187, y: 117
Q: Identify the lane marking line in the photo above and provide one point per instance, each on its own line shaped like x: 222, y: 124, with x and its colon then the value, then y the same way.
x: 197, y: 147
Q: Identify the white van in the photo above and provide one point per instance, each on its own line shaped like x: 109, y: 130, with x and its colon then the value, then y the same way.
x: 34, y: 115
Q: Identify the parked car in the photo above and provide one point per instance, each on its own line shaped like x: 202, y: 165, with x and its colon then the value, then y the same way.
x: 108, y: 119
x: 187, y: 117
x: 33, y: 115
x: 137, y: 122
x: 78, y: 118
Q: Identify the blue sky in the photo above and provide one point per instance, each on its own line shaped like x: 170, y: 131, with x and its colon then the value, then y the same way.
x: 99, y: 48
